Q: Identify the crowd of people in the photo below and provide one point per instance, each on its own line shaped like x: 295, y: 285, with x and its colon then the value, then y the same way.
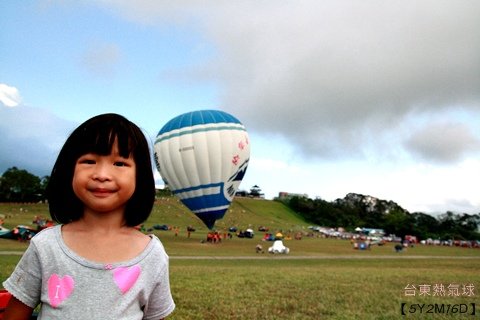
x: 216, y: 237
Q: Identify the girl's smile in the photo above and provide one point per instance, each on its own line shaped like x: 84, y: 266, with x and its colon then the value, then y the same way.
x: 101, y: 192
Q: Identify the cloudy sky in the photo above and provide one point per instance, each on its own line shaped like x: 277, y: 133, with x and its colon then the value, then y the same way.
x: 374, y: 97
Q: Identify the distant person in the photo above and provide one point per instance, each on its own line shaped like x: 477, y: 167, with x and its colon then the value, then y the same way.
x: 95, y: 264
x: 259, y: 248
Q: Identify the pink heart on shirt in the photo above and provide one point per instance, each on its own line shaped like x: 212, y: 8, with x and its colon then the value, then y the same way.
x: 59, y: 289
x: 126, y: 277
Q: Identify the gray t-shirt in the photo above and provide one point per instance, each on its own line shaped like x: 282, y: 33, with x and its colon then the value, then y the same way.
x: 71, y: 287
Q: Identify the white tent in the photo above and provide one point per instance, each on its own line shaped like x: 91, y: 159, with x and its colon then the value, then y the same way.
x: 278, y: 247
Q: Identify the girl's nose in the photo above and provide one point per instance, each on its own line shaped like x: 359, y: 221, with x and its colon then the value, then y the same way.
x: 102, y: 172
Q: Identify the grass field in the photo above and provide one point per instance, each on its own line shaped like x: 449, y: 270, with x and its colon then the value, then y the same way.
x: 319, y: 279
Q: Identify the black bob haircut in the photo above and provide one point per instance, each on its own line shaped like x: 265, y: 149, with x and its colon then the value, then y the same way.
x: 98, y: 135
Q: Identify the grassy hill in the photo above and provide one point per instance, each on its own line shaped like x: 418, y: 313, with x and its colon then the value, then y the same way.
x: 243, y: 213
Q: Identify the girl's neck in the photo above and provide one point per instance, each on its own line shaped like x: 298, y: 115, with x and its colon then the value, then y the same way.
x: 102, y: 222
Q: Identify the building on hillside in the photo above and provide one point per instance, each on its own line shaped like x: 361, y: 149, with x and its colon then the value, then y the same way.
x: 241, y: 193
x: 288, y: 195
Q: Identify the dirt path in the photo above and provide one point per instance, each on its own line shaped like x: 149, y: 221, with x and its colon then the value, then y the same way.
x: 324, y: 257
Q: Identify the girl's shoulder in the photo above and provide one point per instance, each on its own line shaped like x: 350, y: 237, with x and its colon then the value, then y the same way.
x: 45, y: 242
x: 155, y: 249
x: 154, y: 260
x: 47, y: 234
x: 160, y: 251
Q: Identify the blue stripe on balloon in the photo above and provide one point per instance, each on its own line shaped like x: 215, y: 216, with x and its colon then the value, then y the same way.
x: 207, y: 200
x: 178, y: 134
x: 202, y: 186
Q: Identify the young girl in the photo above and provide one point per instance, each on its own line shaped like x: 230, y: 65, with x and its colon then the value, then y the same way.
x: 95, y: 264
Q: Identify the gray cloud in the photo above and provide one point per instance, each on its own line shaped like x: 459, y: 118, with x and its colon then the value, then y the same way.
x: 31, y: 139
x: 329, y: 75
x: 443, y: 142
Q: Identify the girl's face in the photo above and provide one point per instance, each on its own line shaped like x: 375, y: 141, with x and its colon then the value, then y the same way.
x: 104, y: 183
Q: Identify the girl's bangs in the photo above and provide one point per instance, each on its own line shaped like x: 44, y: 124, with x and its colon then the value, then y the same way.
x: 101, y: 140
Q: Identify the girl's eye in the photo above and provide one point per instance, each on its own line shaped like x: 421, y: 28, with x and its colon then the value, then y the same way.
x: 87, y: 161
x: 120, y: 164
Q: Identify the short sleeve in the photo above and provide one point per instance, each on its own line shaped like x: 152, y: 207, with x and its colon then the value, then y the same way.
x: 25, y: 282
x: 160, y: 303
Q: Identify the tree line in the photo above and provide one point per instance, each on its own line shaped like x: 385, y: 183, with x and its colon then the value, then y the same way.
x: 357, y: 210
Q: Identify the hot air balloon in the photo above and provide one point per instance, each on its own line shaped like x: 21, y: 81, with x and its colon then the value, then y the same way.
x: 202, y: 157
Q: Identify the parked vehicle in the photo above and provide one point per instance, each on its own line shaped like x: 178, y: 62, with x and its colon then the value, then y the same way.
x: 246, y: 234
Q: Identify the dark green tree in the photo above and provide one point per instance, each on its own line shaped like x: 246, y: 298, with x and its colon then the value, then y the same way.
x: 20, y: 186
x: 425, y: 226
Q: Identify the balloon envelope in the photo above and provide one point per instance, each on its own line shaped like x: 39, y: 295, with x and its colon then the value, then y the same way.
x: 202, y: 156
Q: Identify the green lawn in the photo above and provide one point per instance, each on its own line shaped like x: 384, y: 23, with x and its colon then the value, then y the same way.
x: 313, y: 289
